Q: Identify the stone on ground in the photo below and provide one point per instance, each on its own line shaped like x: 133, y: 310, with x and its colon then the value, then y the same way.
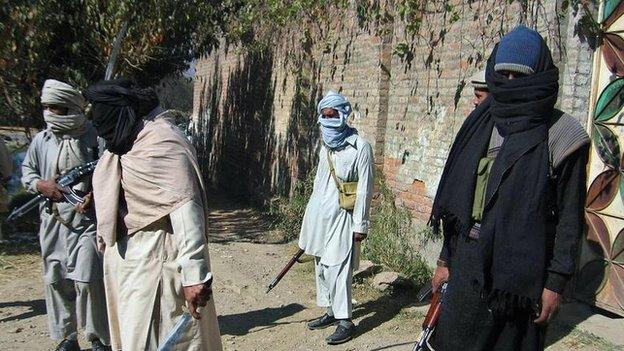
x: 385, y: 280
x: 367, y: 269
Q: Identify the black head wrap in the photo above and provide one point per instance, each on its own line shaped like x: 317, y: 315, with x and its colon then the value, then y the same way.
x: 117, y: 106
x: 514, y: 226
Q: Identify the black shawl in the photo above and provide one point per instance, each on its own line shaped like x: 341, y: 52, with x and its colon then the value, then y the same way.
x: 514, y: 227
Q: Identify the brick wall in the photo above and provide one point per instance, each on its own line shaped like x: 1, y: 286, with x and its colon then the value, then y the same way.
x: 255, y: 112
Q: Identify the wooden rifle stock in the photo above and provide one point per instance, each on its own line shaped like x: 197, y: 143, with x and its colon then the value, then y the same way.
x: 431, y: 319
x: 434, y: 311
x: 285, y: 270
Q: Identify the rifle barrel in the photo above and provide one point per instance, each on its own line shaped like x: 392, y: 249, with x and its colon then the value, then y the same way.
x: 285, y: 270
x: 25, y: 208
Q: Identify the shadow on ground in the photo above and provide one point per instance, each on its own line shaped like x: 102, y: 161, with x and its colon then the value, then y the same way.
x: 376, y: 312
x: 231, y: 219
x: 243, y: 323
x: 569, y: 317
x: 36, y: 308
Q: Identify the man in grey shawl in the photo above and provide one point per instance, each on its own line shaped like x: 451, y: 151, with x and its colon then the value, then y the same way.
x: 72, y: 266
x: 329, y: 232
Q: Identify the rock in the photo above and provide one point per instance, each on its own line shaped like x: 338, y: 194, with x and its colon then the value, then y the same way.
x: 385, y: 280
x: 367, y: 269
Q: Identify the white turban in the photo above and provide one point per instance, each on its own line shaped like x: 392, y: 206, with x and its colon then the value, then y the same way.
x: 62, y: 94
x: 68, y: 127
x: 478, y: 80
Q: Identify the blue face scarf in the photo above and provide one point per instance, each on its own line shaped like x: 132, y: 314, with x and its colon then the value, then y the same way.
x: 335, y: 131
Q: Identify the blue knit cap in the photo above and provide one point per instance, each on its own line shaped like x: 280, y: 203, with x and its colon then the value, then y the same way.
x: 519, y: 51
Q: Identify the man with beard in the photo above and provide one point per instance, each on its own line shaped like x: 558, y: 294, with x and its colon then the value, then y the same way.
x: 72, y: 266
x: 331, y: 229
x: 151, y: 206
x: 510, y: 202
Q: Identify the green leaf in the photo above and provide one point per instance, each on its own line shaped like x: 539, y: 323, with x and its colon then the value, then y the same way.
x: 609, y: 7
x: 610, y: 101
x: 607, y: 145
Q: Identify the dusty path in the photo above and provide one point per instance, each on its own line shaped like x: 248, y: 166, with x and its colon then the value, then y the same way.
x: 245, y: 256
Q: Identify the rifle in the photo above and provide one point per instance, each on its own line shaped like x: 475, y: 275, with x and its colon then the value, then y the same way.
x: 65, y: 182
x: 431, y: 319
x: 285, y: 270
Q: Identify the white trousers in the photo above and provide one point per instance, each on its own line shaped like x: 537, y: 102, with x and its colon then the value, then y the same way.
x: 333, y: 287
x: 71, y: 304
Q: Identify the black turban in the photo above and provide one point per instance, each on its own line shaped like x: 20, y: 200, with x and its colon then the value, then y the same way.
x: 117, y: 106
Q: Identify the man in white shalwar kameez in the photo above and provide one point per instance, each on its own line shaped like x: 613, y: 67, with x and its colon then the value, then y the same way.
x: 332, y: 234
x: 151, y: 206
x: 72, y: 266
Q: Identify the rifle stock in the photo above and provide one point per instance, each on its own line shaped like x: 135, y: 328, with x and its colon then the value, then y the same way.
x: 431, y: 319
x: 285, y: 270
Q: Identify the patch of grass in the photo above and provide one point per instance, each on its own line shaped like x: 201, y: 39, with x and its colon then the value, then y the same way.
x: 390, y: 237
x: 563, y: 337
x: 288, y: 212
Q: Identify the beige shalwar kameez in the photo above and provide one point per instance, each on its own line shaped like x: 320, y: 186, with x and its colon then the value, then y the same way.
x: 152, y: 211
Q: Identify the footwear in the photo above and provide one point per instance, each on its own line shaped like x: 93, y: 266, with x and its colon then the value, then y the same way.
x: 96, y: 345
x: 344, y: 332
x: 322, y: 322
x: 68, y: 345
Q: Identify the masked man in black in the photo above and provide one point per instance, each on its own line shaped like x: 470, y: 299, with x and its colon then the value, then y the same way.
x: 510, y: 202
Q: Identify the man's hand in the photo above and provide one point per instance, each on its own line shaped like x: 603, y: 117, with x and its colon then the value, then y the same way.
x: 50, y: 189
x: 359, y: 237
x: 440, y: 275
x: 197, y: 296
x: 84, y: 206
x: 550, y: 306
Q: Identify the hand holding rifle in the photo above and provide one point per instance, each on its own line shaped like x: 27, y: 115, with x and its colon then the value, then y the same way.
x: 440, y: 275
x: 50, y: 189
x: 57, y: 190
x: 82, y: 207
x: 431, y: 319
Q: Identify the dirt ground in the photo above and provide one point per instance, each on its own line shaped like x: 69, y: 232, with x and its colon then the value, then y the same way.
x: 245, y: 256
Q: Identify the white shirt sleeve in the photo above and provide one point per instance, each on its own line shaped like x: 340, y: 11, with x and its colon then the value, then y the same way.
x: 31, y: 174
x: 189, y: 230
x: 361, y: 211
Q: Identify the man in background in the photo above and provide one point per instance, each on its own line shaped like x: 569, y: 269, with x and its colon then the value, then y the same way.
x: 331, y: 231
x: 72, y: 266
x: 480, y: 88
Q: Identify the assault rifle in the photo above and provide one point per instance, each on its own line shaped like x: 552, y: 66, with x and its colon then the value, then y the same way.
x: 431, y: 319
x: 285, y: 270
x: 65, y: 182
